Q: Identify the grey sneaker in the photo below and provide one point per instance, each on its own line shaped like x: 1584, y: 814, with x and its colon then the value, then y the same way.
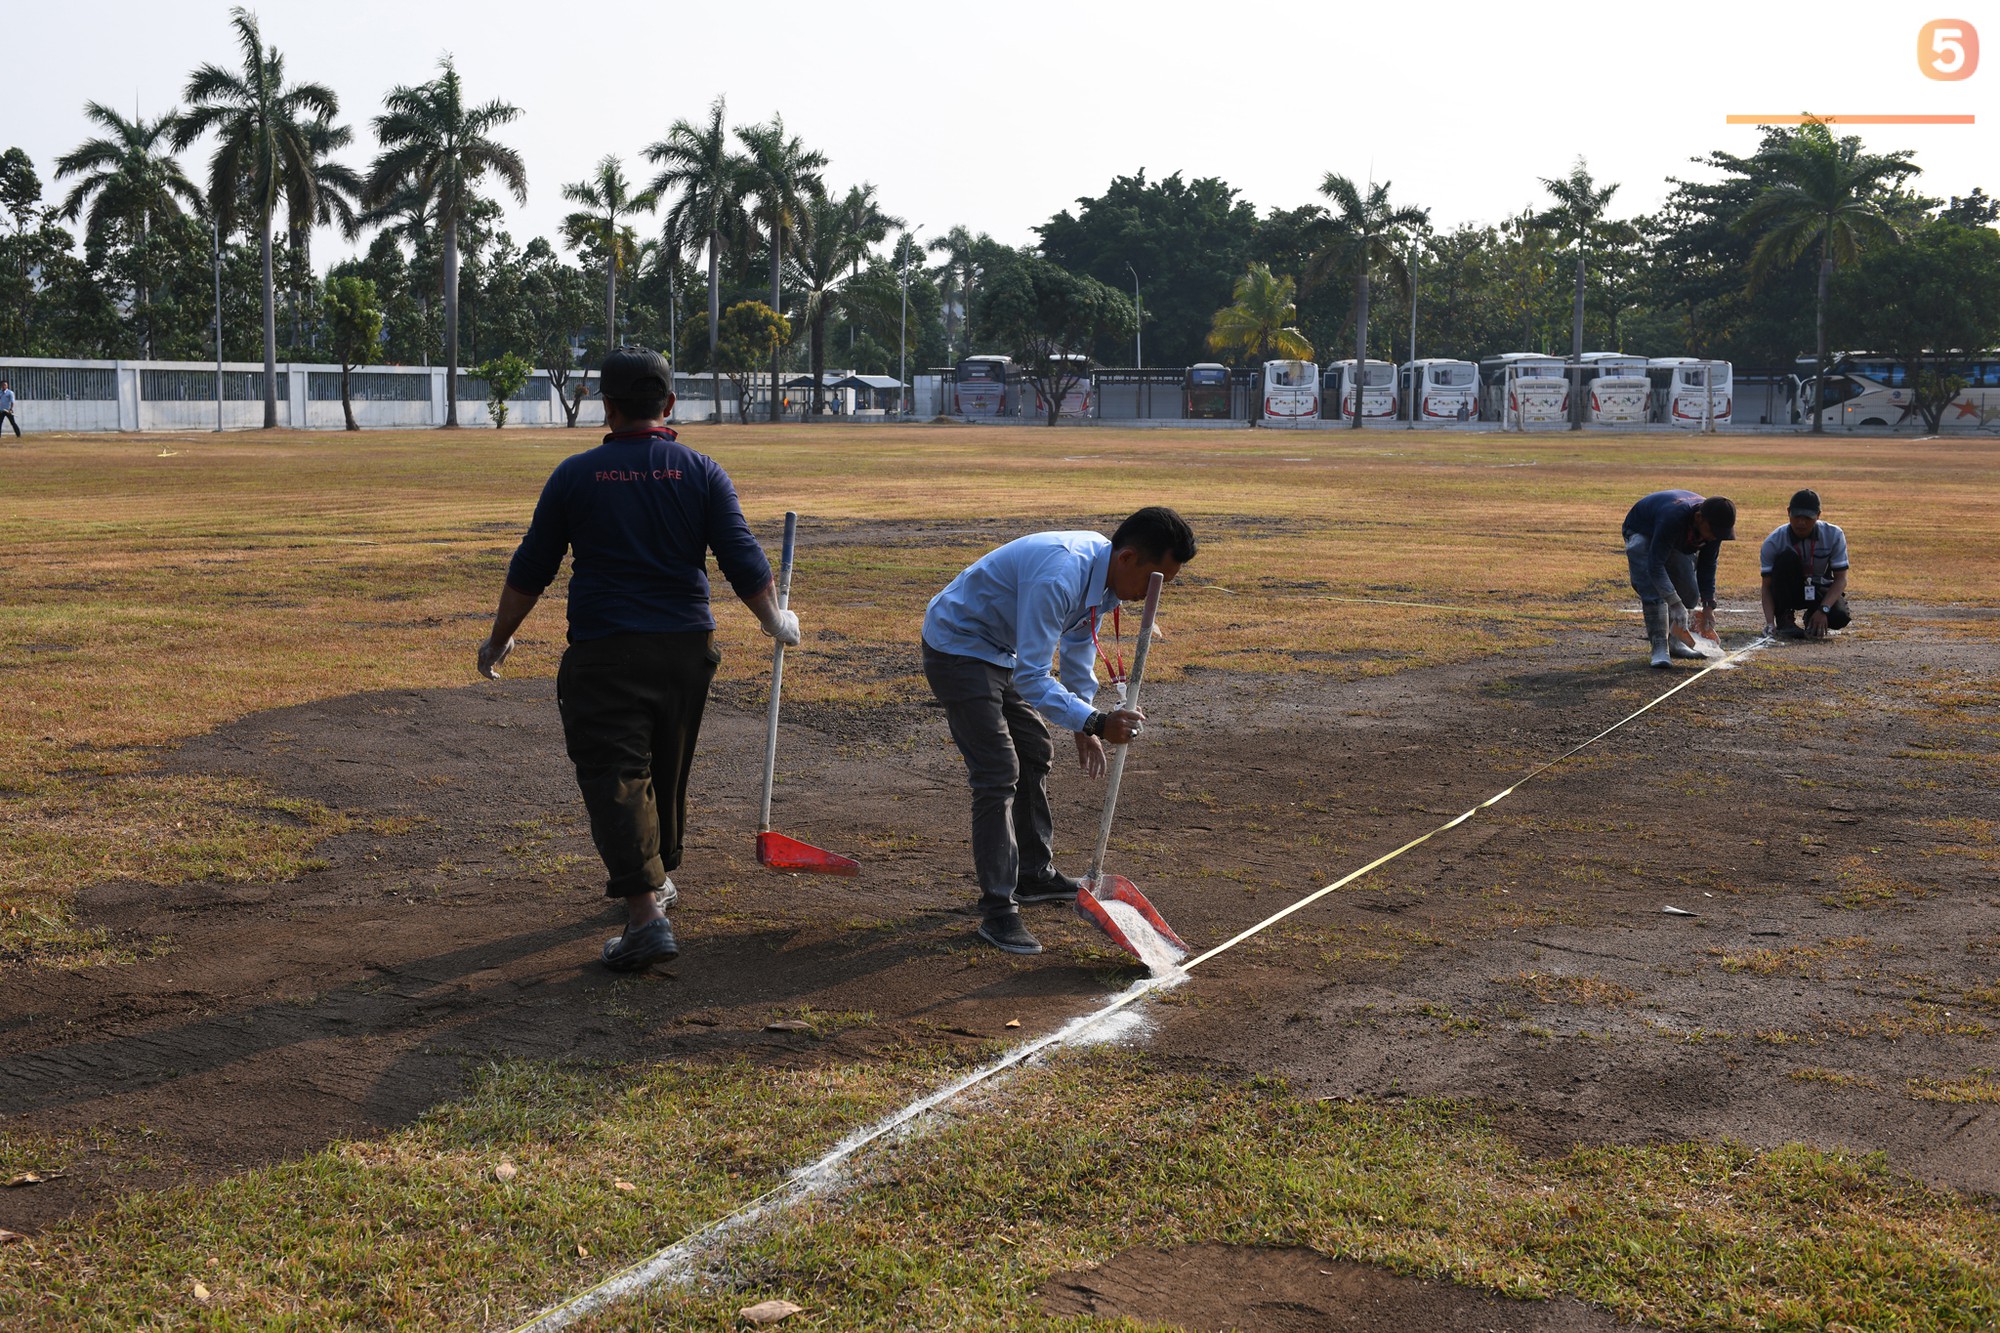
x: 1054, y: 887
x: 1003, y: 930
x: 641, y: 946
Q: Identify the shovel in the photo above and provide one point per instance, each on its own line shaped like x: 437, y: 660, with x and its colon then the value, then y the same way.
x: 775, y: 850
x: 1098, y: 887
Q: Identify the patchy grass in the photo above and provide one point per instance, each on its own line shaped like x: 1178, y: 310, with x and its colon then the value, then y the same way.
x: 1083, y: 1156
x: 1572, y: 988
x: 1798, y: 960
x: 1980, y: 1087
x: 1833, y: 1077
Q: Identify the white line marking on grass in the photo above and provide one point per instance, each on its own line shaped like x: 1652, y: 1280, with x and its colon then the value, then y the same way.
x: 676, y: 1264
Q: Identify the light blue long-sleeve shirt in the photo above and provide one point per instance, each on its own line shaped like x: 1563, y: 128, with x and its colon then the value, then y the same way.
x: 1016, y: 606
x: 6, y: 400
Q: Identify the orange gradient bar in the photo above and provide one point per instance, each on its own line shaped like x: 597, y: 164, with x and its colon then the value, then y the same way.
x: 1851, y: 120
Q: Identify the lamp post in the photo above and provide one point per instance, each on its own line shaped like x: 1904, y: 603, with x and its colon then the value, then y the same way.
x: 1138, y: 323
x: 903, y: 333
x: 215, y: 227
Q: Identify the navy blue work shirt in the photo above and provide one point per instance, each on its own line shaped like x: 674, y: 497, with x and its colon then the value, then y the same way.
x: 1666, y: 520
x: 641, y: 511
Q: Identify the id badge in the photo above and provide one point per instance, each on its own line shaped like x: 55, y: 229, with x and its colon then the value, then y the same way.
x: 1812, y: 592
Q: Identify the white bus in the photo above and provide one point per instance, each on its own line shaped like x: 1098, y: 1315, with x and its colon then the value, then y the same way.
x: 1291, y: 392
x: 1435, y: 389
x: 1525, y: 389
x: 1870, y: 389
x: 979, y: 387
x: 1377, y: 391
x: 1076, y: 401
x: 1616, y: 388
x: 1683, y: 392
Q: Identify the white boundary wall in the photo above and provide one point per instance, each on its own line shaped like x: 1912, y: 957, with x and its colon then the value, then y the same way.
x: 66, y: 395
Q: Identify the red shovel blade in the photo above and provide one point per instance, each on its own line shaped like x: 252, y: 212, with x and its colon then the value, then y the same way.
x: 779, y: 852
x: 1121, y: 889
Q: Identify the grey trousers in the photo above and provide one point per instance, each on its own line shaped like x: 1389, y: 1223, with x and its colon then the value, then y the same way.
x: 1007, y: 755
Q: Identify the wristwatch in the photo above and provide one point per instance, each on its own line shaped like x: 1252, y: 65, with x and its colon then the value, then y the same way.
x: 1094, y: 726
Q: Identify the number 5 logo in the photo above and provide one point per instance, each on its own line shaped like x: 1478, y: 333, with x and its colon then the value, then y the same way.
x: 1948, y: 49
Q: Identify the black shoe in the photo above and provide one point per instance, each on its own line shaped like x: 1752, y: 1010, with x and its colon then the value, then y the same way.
x: 641, y: 946
x: 1790, y: 631
x: 1003, y: 930
x: 1054, y: 887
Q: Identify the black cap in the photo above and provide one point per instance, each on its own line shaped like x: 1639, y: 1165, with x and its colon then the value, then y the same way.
x: 1721, y: 515
x: 1805, y: 502
x: 634, y: 372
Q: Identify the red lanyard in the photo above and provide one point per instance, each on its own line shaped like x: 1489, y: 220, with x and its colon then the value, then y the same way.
x: 1808, y: 553
x: 1117, y: 667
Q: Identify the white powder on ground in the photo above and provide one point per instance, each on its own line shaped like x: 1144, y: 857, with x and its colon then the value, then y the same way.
x: 1161, y: 958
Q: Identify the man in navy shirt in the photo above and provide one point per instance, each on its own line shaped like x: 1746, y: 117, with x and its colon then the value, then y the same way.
x: 1672, y: 539
x: 991, y: 640
x: 641, y: 512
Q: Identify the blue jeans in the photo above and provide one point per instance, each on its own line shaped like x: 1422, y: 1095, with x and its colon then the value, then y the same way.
x: 1680, y: 569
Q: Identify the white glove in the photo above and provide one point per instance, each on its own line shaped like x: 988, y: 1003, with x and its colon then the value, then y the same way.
x: 784, y: 627
x: 490, y: 657
x: 1677, y: 616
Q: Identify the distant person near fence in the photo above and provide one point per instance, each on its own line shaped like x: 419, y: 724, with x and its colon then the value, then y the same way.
x: 7, y: 417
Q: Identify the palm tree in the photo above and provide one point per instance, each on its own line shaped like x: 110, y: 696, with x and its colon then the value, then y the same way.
x: 265, y: 136
x: 127, y: 181
x: 827, y: 262
x: 1367, y: 233
x: 781, y: 175
x: 1578, y: 219
x: 606, y: 198
x: 1828, y: 194
x: 862, y: 216
x: 1262, y: 325
x: 337, y: 197
x: 962, y: 251
x: 437, y: 149
x: 697, y: 163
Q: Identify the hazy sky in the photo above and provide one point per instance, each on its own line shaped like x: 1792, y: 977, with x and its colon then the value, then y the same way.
x: 999, y: 115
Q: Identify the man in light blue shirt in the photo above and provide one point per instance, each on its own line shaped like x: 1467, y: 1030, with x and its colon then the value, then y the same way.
x: 992, y: 639
x: 7, y: 417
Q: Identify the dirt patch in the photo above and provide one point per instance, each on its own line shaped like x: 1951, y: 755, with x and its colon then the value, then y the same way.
x: 1247, y: 1289
x: 1824, y: 810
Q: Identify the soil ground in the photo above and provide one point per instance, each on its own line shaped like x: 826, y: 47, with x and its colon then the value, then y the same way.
x: 1823, y: 811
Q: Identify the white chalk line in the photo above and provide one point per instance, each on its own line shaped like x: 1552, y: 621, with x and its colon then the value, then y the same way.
x: 675, y: 1264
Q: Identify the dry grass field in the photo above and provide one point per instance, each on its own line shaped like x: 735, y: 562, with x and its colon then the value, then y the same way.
x: 205, y: 637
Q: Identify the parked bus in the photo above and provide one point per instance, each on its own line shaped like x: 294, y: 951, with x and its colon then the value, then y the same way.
x: 1208, y: 392
x: 1683, y: 394
x: 1377, y: 391
x: 1870, y: 389
x: 1617, y: 389
x: 1076, y: 393
x: 1438, y: 390
x: 1291, y: 392
x: 979, y: 387
x: 1525, y: 389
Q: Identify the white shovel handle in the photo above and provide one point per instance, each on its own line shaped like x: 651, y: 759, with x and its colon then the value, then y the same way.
x: 1116, y: 771
x: 777, y: 674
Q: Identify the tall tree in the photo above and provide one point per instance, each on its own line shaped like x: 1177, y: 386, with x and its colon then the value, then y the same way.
x: 265, y: 136
x: 1261, y: 324
x: 829, y: 253
x: 1366, y: 232
x: 1578, y: 218
x: 1187, y: 240
x: 129, y: 181
x: 336, y: 202
x: 781, y: 175
x: 353, y: 318
x: 697, y: 163
x: 1830, y: 195
x: 437, y: 149
x: 1042, y: 313
x: 965, y: 255
x: 607, y: 199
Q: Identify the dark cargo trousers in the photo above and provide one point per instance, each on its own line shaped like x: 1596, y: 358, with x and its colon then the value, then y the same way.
x: 1007, y: 754
x: 631, y: 709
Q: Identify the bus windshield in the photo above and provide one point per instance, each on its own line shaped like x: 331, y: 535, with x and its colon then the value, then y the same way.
x: 1377, y: 377
x: 1209, y: 375
x: 1452, y: 377
x: 1289, y: 375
